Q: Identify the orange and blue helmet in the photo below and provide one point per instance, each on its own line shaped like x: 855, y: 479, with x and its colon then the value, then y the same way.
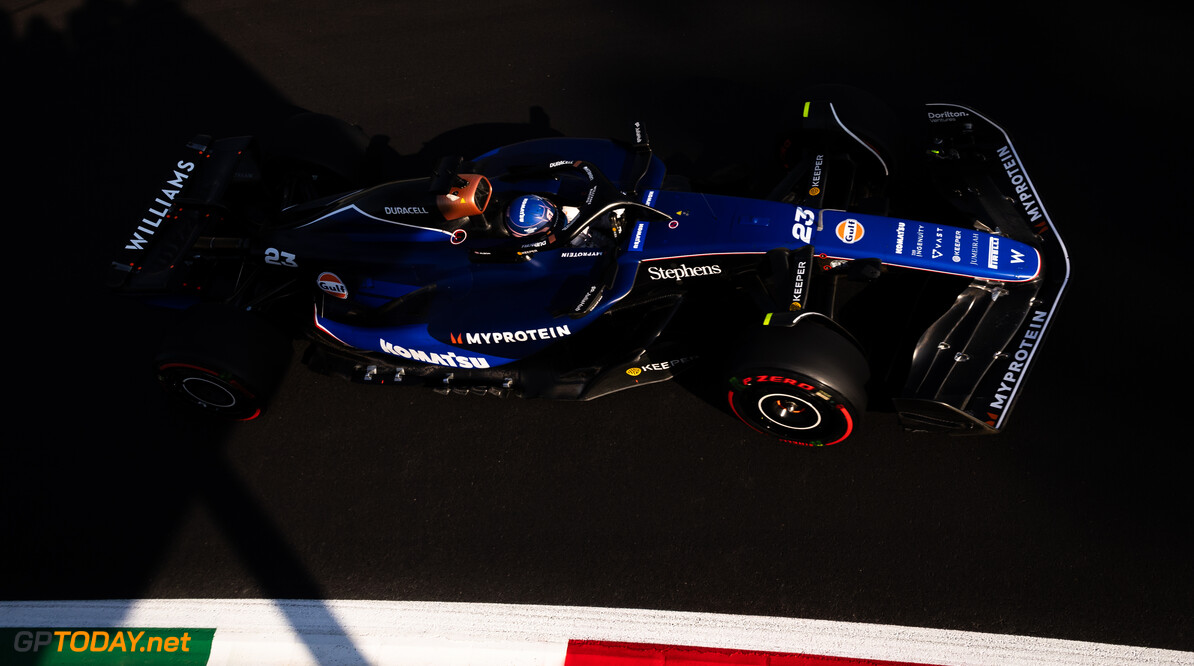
x: 530, y: 214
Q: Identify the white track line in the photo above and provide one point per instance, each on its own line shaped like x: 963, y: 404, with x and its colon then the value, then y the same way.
x: 409, y: 632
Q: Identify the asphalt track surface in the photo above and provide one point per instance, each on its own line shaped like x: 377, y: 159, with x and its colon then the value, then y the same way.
x: 1075, y: 523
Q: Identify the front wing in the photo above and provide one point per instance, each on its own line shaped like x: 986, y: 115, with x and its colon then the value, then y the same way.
x: 969, y: 366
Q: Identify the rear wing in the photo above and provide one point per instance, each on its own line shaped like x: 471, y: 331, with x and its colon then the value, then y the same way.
x: 969, y: 366
x: 188, y: 201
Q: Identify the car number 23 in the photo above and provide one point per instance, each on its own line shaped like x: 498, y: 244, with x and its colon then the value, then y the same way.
x: 276, y: 257
x: 803, y: 229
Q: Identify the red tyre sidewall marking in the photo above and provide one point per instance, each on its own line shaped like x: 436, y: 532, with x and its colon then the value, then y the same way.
x: 842, y: 408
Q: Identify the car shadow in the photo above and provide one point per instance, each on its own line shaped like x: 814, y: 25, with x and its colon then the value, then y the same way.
x: 97, y: 493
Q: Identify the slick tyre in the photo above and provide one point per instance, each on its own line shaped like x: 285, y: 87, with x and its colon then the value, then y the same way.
x: 223, y: 362
x: 805, y: 385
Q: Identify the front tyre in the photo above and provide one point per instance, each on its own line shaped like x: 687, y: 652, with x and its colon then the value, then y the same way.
x: 791, y: 406
x: 805, y: 384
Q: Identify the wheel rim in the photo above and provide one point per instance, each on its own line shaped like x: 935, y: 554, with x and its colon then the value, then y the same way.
x: 208, y: 390
x: 808, y: 414
x: 789, y: 411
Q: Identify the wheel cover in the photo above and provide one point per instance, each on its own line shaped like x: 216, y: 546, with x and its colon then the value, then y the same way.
x: 206, y: 391
x: 209, y: 390
x: 789, y: 411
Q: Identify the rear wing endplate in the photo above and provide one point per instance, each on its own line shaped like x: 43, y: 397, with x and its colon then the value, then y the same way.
x: 187, y: 201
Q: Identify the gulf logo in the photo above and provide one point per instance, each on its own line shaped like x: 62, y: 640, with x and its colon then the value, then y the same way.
x: 849, y: 230
x: 330, y: 283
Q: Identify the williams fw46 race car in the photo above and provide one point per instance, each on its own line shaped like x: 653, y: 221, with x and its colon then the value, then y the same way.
x: 921, y: 280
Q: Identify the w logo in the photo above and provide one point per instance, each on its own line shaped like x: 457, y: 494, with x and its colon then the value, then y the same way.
x: 1017, y: 257
x: 456, y: 339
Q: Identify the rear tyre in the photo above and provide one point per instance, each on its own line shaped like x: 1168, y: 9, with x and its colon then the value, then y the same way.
x: 222, y: 361
x: 805, y: 385
x: 217, y: 392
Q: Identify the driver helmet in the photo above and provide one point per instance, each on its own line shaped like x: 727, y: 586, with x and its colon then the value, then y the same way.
x: 529, y: 214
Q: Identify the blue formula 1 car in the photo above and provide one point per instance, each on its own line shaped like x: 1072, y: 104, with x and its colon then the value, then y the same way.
x: 572, y: 268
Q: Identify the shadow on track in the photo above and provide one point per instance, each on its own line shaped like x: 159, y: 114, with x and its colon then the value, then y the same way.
x: 94, y: 495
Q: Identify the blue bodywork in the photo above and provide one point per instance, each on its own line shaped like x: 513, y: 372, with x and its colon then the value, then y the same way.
x: 488, y: 314
x: 418, y: 281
